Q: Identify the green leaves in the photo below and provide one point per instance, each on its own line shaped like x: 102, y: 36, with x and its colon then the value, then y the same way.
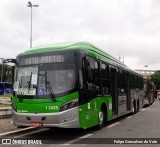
x: 156, y: 78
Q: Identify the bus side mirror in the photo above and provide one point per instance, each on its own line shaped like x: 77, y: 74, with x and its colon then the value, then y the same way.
x: 4, y: 72
x: 4, y: 69
x: 13, y: 69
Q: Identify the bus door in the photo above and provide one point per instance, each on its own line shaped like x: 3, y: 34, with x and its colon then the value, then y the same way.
x: 89, y: 93
x: 122, y: 92
x: 114, y: 90
x: 128, y: 92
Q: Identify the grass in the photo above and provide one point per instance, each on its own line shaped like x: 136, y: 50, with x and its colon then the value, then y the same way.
x: 4, y: 105
x: 5, y: 96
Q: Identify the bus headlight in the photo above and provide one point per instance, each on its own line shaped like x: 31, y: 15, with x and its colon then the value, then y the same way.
x: 69, y: 105
x: 14, y: 107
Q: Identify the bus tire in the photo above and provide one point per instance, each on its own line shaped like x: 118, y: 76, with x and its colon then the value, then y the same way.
x: 101, y: 118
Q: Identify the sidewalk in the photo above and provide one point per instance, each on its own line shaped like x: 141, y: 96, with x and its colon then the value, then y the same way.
x: 5, y: 116
x: 6, y: 125
x: 5, y: 111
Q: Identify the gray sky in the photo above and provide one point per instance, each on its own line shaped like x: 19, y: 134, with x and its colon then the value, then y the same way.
x: 129, y: 27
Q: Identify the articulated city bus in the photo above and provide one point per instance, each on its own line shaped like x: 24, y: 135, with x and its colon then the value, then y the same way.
x: 72, y: 86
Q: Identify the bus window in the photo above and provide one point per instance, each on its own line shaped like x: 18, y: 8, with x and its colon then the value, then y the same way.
x: 90, y: 74
x: 105, y: 79
x: 97, y: 76
x: 121, y: 83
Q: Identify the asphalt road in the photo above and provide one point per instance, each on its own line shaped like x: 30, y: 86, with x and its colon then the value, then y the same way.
x: 145, y: 124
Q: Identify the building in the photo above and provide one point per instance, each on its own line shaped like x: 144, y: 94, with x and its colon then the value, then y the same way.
x: 146, y: 73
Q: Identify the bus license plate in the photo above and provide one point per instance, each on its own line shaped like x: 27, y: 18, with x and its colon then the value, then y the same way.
x: 37, y: 124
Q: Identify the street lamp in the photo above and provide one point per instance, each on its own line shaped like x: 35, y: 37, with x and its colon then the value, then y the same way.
x: 30, y: 5
x: 146, y: 66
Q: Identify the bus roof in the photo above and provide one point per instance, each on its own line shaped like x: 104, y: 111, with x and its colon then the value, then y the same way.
x: 87, y: 47
x: 74, y: 45
x: 58, y: 46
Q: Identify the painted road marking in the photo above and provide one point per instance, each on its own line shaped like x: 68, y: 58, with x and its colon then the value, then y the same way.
x: 112, y: 125
x: 143, y: 109
x: 33, y: 132
x: 77, y: 139
x: 129, y: 117
x: 16, y: 131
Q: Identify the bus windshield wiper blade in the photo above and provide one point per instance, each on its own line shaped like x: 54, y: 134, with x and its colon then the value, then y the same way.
x: 27, y: 85
x: 50, y: 90
x: 49, y: 87
x: 23, y: 90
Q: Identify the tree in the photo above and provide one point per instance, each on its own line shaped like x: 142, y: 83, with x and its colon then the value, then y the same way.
x: 156, y: 78
x: 7, y: 75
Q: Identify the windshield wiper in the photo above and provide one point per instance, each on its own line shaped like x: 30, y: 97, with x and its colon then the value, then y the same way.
x: 22, y: 91
x: 49, y: 87
x: 27, y: 85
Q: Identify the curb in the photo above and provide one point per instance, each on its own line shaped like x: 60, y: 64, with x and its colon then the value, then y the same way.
x: 25, y: 130
x: 5, y: 112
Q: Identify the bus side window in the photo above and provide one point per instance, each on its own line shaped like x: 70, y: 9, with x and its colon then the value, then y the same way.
x: 97, y: 76
x: 105, y: 79
x: 93, y: 74
x: 90, y: 73
x: 121, y: 83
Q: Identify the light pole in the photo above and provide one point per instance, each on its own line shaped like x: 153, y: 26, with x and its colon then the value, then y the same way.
x: 30, y: 5
x: 2, y: 59
x: 146, y: 66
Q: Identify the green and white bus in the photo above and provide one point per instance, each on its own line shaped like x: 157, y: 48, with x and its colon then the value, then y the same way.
x: 72, y: 85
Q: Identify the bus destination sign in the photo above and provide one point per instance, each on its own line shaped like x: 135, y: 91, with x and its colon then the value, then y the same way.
x: 42, y: 59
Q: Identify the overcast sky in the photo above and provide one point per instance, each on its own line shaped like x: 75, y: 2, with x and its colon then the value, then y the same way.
x: 119, y: 27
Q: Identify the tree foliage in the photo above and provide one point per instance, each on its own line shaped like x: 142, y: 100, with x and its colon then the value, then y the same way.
x: 7, y: 75
x: 156, y: 78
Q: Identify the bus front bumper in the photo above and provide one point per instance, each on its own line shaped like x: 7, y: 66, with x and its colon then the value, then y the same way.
x: 65, y: 119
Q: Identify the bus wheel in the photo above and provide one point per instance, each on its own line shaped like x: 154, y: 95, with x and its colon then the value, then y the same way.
x: 101, y: 118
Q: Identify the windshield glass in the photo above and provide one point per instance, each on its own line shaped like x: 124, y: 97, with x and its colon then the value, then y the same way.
x: 61, y: 77
x: 45, y: 80
x: 26, y: 79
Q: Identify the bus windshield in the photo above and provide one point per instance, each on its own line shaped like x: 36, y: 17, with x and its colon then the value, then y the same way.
x: 33, y: 81
x: 61, y: 77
